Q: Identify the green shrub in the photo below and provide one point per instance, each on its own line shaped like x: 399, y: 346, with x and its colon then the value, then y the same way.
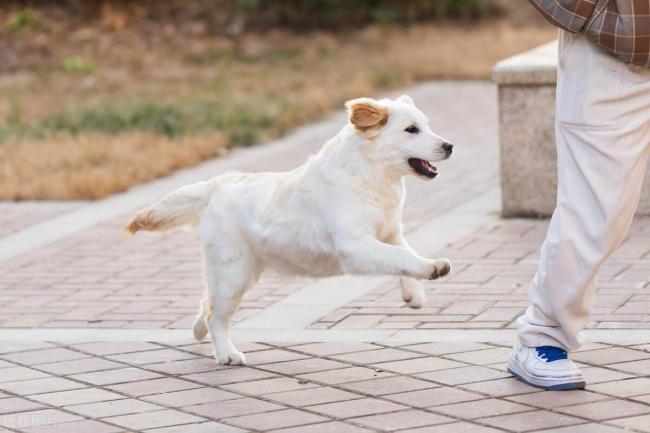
x: 76, y: 64
x: 22, y: 20
x: 159, y: 118
x: 339, y: 13
x: 242, y: 122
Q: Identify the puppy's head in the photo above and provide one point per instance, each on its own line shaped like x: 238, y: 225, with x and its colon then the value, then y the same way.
x: 396, y: 134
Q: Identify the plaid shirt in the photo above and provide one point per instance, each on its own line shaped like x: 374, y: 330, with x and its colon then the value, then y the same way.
x: 619, y: 26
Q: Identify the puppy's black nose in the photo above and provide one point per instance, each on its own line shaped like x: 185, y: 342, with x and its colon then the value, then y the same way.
x: 447, y: 147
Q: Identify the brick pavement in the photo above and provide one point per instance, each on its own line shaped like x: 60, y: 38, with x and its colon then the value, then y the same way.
x: 488, y: 286
x: 96, y: 279
x: 15, y: 217
x: 310, y: 387
x: 100, y: 278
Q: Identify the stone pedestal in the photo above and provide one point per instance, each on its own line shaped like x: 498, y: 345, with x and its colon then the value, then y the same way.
x: 527, y: 134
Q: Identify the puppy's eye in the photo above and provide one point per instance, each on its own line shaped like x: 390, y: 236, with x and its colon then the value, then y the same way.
x: 412, y: 129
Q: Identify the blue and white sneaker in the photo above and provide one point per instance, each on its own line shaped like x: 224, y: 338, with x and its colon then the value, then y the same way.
x: 545, y: 367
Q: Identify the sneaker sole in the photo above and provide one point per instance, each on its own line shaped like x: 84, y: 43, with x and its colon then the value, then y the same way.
x: 557, y: 387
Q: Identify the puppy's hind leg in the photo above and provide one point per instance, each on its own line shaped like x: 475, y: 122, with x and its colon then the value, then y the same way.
x: 200, y: 326
x: 229, y: 272
x: 413, y: 292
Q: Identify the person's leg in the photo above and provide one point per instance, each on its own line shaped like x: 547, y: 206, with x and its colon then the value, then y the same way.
x: 603, y: 135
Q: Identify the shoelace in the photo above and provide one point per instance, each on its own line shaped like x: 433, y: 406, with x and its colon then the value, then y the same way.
x: 551, y: 353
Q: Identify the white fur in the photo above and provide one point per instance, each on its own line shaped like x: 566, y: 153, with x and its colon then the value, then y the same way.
x: 339, y: 213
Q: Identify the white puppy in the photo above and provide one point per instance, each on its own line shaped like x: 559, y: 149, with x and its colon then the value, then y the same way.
x: 339, y: 213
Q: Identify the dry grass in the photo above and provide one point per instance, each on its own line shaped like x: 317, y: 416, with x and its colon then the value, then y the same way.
x: 199, y: 90
x: 92, y: 166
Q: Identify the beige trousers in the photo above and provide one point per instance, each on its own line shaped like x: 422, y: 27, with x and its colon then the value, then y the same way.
x: 603, y: 137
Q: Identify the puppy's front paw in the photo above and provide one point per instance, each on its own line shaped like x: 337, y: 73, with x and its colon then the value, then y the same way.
x: 234, y: 357
x: 441, y: 267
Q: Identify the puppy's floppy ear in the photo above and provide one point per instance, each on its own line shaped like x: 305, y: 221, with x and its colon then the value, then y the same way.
x: 366, y: 113
x: 405, y: 99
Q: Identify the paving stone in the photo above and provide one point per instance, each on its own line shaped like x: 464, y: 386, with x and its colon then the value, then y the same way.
x: 189, y: 366
x: 329, y: 349
x: 120, y: 375
x: 401, y: 420
x: 375, y: 356
x: 462, y: 375
x: 640, y: 423
x: 152, y: 356
x: 83, y: 426
x: 205, y: 427
x: 505, y: 314
x: 277, y: 419
x: 529, y: 421
x: 328, y: 427
x: 12, y: 374
x: 229, y: 375
x: 433, y: 397
x: 388, y: 385
x: 466, y: 307
x: 153, y: 386
x: 35, y: 418
x: 39, y: 386
x: 635, y: 307
x: 77, y: 396
x: 623, y: 388
x: 44, y: 356
x: 79, y: 366
x: 302, y: 366
x: 24, y: 346
x: 418, y: 365
x: 114, y: 407
x: 483, y: 357
x: 355, y: 321
x: 147, y: 420
x: 268, y: 356
x: 231, y: 408
x: 397, y: 325
x: 640, y: 368
x: 16, y: 404
x: 558, y: 399
x: 311, y: 396
x: 586, y: 428
x: 267, y: 386
x: 642, y: 398
x: 594, y: 375
x: 446, y: 348
x: 191, y: 397
x: 481, y: 408
x: 500, y: 387
x: 605, y: 410
x: 344, y: 375
x: 456, y: 427
x: 355, y: 408
x: 610, y: 355
x: 114, y: 347
x: 204, y: 349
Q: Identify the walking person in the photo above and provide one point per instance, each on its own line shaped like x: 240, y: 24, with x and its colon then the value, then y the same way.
x: 603, y: 138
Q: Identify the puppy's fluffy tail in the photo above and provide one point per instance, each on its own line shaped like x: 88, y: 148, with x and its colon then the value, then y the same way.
x: 181, y: 208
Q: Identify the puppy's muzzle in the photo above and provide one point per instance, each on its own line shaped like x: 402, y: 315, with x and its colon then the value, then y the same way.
x: 448, y: 148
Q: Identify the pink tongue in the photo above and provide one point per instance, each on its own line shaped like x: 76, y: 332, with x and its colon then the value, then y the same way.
x: 428, y: 166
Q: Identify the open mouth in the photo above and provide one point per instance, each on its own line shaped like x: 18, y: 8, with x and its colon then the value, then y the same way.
x: 423, y: 167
